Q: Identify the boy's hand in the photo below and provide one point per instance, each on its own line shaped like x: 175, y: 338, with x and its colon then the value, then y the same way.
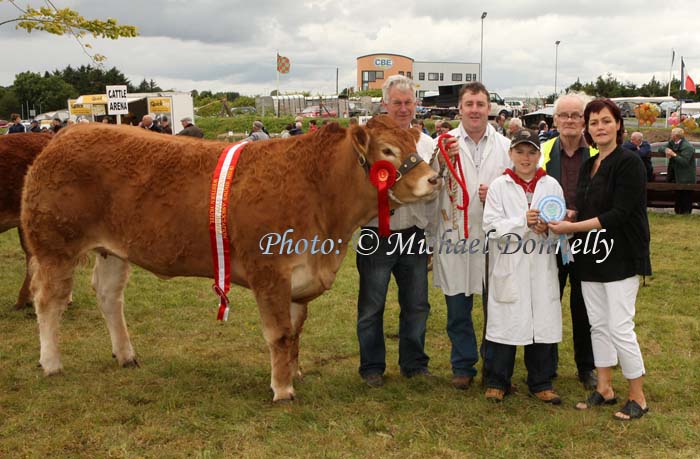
x: 533, y: 217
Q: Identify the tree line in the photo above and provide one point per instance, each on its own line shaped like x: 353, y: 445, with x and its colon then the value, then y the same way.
x: 50, y: 91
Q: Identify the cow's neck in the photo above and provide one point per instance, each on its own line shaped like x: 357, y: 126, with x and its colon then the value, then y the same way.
x: 352, y: 200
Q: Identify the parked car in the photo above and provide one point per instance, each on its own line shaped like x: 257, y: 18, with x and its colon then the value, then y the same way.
x: 672, y: 106
x: 626, y: 108
x: 658, y: 198
x: 315, y: 111
x: 518, y: 107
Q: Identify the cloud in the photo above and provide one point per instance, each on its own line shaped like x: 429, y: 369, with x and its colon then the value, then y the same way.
x: 231, y: 46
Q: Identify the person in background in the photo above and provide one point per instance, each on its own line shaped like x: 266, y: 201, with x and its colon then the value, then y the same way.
x: 147, y: 123
x: 298, y: 124
x: 612, y: 197
x: 56, y: 125
x: 313, y: 127
x: 17, y: 126
x: 165, y: 127
x: 420, y: 124
x: 438, y: 130
x: 190, y: 129
x: 637, y: 144
x: 105, y: 120
x: 258, y: 133
x: 681, y: 168
x: 514, y: 125
x: 34, y: 126
x: 285, y: 132
x: 542, y: 129
x: 500, y: 124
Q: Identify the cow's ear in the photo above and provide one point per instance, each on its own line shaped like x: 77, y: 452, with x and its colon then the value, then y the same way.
x: 360, y: 140
x: 415, y: 132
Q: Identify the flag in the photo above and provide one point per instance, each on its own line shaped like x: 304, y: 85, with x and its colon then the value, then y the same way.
x: 283, y: 64
x: 687, y: 83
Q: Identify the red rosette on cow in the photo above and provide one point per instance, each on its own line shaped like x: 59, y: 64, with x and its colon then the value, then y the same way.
x: 382, y: 174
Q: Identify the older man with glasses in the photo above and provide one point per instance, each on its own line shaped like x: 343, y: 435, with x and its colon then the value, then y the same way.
x: 562, y: 158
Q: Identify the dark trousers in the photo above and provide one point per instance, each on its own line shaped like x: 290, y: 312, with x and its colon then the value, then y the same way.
x: 684, y: 202
x: 581, y: 327
x: 411, y: 274
x: 538, y: 361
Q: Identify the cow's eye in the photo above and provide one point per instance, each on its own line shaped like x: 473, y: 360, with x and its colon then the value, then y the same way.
x: 388, y: 152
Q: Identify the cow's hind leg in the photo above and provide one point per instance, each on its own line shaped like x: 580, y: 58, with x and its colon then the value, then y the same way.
x: 297, y: 313
x: 109, y: 280
x: 23, y: 299
x: 52, y: 280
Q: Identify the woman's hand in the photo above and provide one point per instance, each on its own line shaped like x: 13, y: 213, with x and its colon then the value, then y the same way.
x: 561, y: 227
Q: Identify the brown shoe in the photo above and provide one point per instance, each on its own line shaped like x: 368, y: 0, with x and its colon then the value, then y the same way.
x: 462, y: 382
x: 548, y: 396
x: 494, y: 395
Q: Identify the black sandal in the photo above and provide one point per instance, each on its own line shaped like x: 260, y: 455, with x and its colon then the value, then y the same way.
x: 596, y: 399
x: 631, y: 409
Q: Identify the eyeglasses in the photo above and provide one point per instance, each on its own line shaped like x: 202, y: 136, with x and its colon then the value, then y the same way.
x: 398, y: 104
x: 569, y: 116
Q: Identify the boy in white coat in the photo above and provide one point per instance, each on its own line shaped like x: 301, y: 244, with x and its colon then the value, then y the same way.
x: 523, y: 299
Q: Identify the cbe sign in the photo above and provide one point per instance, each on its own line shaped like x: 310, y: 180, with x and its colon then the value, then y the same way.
x: 116, y: 100
x: 383, y: 62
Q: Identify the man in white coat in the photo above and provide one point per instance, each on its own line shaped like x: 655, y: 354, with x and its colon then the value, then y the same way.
x: 483, y: 155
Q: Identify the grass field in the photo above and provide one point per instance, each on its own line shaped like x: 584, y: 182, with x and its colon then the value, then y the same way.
x: 202, y: 389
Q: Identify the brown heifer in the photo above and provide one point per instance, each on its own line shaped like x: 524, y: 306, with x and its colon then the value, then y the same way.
x: 17, y: 153
x: 142, y: 198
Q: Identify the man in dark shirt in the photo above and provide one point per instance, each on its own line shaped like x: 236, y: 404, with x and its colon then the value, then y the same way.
x: 147, y: 123
x: 637, y: 144
x: 17, y: 126
x: 563, y: 157
x: 189, y: 129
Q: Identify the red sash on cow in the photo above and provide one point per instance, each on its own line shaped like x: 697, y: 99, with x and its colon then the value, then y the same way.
x: 218, y: 224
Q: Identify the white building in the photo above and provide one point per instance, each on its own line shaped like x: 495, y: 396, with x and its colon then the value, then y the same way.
x: 429, y: 75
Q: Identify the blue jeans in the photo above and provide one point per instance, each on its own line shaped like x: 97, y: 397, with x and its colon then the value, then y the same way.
x: 411, y: 274
x: 460, y: 329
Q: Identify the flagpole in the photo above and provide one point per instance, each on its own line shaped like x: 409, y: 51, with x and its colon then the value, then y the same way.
x: 670, y: 71
x: 277, y: 65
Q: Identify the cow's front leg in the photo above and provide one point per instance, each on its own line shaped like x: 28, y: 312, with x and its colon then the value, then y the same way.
x: 274, y: 306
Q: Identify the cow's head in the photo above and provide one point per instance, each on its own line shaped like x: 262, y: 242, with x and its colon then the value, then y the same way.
x: 383, y: 139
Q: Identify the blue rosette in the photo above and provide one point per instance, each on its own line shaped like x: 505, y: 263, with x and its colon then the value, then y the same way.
x: 553, y: 209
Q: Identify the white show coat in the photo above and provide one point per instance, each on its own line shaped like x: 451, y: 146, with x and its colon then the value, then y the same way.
x: 464, y: 272
x: 523, y: 300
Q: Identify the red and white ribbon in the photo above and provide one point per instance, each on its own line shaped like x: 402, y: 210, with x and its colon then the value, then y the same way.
x: 218, y: 224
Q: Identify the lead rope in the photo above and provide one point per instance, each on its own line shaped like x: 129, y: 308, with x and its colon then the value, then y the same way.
x: 455, y: 180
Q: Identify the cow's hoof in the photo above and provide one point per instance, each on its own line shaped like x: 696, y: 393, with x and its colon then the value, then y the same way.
x: 299, y: 376
x: 131, y: 363
x: 56, y: 371
x: 283, y: 401
x: 23, y: 305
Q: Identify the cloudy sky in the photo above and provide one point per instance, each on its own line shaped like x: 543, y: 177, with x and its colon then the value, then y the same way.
x: 231, y: 45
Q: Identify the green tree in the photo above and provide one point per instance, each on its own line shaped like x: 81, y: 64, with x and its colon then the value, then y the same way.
x: 8, y: 103
x: 44, y: 93
x: 67, y: 21
x: 243, y: 101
